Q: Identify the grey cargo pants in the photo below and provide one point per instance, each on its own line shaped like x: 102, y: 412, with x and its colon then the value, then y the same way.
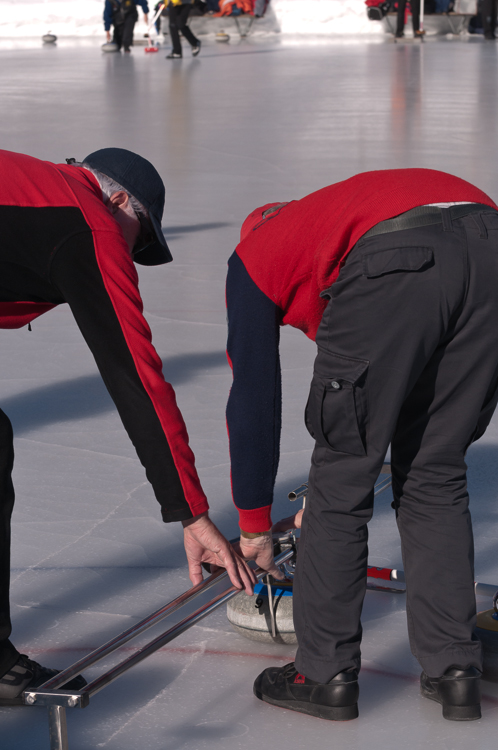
x: 408, y: 355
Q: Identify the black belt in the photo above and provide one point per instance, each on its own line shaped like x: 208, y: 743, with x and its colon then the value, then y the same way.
x: 424, y: 216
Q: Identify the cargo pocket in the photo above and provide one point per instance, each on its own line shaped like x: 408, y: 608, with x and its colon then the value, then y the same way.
x: 336, y: 410
x: 397, y: 259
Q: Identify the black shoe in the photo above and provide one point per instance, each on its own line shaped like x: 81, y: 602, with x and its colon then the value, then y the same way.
x: 173, y: 56
x: 29, y: 674
x: 489, y: 35
x: 458, y: 691
x: 196, y: 49
x: 399, y: 34
x: 285, y: 687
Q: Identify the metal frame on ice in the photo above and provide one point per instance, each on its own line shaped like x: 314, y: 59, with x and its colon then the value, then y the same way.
x: 57, y: 700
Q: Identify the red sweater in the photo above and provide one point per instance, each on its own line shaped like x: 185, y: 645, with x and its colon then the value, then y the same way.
x: 275, y: 277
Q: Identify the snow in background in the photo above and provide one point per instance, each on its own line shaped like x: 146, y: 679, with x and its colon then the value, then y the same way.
x: 28, y: 18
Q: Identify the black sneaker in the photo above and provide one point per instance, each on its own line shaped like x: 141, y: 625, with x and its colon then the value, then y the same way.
x: 285, y: 687
x: 173, y: 56
x: 196, y: 49
x: 458, y: 691
x: 29, y: 674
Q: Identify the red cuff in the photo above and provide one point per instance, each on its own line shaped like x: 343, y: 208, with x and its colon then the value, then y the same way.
x: 258, y: 519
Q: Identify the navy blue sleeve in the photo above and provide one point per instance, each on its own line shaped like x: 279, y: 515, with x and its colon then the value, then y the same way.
x: 107, y: 15
x: 143, y: 4
x: 255, y: 404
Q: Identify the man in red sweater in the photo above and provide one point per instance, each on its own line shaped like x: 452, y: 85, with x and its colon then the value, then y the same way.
x: 72, y: 233
x: 394, y: 274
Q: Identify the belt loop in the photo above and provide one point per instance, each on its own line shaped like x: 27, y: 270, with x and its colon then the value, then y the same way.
x: 481, y: 227
x: 446, y: 217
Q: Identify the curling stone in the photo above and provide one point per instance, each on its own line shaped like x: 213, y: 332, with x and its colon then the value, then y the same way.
x: 49, y: 38
x: 110, y: 47
x: 222, y: 36
x: 250, y: 615
x: 487, y: 631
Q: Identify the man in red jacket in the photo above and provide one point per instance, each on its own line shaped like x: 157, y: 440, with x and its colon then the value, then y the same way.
x: 394, y: 274
x: 71, y: 234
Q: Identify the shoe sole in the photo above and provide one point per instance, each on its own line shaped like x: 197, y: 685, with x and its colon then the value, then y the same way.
x: 331, y: 713
x: 455, y: 713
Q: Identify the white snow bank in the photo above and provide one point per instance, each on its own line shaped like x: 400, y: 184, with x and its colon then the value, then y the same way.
x: 33, y: 18
x: 324, y: 17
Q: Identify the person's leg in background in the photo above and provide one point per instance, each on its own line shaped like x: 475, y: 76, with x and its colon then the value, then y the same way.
x: 415, y: 9
x: 400, y: 19
x: 8, y: 654
x: 174, y: 29
x: 128, y: 27
x: 488, y: 15
x: 182, y: 18
x: 117, y: 34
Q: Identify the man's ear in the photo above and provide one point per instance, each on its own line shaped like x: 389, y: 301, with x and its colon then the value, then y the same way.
x: 117, y: 200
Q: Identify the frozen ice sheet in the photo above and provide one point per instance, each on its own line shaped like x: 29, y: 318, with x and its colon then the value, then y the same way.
x: 241, y: 125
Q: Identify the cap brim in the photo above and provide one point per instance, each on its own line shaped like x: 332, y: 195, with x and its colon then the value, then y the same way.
x: 158, y: 253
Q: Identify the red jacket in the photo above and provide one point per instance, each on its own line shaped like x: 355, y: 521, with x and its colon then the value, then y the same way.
x: 59, y: 243
x: 275, y: 277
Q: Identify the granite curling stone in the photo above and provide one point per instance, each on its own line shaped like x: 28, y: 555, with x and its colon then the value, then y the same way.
x: 110, y: 47
x: 250, y: 615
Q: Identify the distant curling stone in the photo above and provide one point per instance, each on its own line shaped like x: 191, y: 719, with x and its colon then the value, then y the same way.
x: 487, y: 631
x: 222, y: 36
x: 110, y: 47
x: 49, y: 38
x: 250, y: 615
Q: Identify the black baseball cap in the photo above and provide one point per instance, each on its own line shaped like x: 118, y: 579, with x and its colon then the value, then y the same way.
x: 142, y: 180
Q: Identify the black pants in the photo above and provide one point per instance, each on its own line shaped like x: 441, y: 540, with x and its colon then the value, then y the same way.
x: 407, y: 355
x: 415, y: 8
x: 178, y: 15
x: 123, y: 32
x: 8, y: 654
x: 488, y: 15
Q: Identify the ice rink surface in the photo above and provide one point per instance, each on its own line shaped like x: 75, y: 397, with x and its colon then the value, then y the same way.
x: 241, y: 125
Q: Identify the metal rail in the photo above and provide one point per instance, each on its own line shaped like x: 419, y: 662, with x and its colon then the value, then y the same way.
x: 148, y: 622
x: 58, y: 700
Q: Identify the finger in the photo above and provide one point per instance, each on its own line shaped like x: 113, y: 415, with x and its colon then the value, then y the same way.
x: 231, y: 567
x: 284, y: 525
x: 247, y: 576
x: 195, y: 572
x: 276, y: 573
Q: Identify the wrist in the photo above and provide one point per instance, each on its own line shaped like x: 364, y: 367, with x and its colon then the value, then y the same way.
x: 195, y: 519
x: 253, y: 534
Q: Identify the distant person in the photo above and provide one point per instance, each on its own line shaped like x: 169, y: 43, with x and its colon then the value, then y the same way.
x: 260, y: 8
x: 179, y: 11
x: 123, y: 15
x: 415, y: 10
x: 488, y: 15
x: 71, y: 234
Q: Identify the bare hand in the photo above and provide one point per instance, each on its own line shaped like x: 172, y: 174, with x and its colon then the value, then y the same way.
x: 291, y: 522
x: 205, y: 543
x: 260, y: 549
x: 108, y: 35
